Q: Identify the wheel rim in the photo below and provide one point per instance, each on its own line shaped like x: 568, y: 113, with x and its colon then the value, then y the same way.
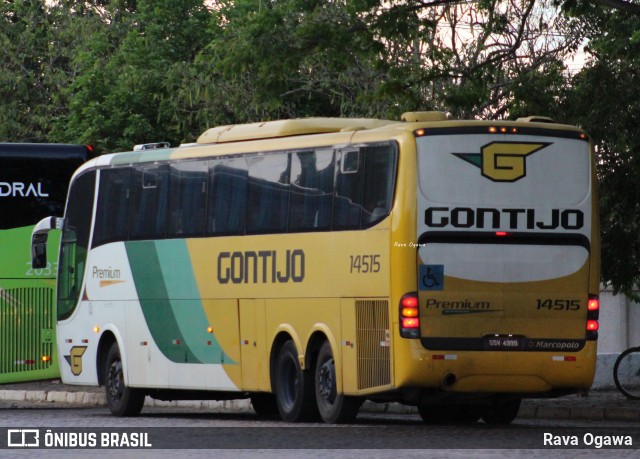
x: 116, y: 380
x: 326, y: 381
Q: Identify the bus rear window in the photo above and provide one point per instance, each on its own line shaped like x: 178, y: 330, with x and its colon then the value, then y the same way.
x: 482, y: 170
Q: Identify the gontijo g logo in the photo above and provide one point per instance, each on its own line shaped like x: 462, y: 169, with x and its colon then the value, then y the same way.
x: 503, y: 161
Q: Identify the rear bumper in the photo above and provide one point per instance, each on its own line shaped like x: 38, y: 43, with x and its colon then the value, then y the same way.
x: 513, y: 372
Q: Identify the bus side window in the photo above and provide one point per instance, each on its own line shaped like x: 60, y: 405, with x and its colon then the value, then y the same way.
x: 379, y: 181
x: 150, y: 193
x: 187, y: 198
x: 112, y: 214
x: 268, y: 205
x: 227, y: 202
x: 311, y: 200
x: 349, y: 187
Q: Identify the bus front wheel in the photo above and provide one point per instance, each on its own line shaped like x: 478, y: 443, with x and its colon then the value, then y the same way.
x: 334, y: 408
x: 121, y: 400
x: 293, y: 386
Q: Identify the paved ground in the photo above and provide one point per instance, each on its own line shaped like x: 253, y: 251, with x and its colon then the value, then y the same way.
x: 598, y: 405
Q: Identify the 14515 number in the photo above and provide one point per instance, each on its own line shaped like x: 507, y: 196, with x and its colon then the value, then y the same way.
x: 559, y: 305
x: 363, y: 264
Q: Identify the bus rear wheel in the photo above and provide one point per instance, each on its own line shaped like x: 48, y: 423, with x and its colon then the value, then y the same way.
x: 121, y: 400
x: 293, y: 386
x: 501, y: 412
x: 334, y: 408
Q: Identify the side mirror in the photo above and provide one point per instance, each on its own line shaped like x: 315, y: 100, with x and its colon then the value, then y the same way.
x: 39, y: 240
x: 39, y: 250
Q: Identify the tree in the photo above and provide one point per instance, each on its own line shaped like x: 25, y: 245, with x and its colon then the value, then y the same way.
x: 294, y: 58
x: 486, y: 59
x: 119, y: 72
x: 622, y: 5
x: 138, y: 55
x: 603, y: 98
x: 33, y: 69
x: 371, y: 58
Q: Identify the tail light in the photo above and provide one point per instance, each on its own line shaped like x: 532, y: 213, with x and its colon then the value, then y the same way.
x: 409, y: 316
x: 593, y: 313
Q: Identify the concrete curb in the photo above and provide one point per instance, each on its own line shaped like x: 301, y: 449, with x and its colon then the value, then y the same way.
x: 78, y: 398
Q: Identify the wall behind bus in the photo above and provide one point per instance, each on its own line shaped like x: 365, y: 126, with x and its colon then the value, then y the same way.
x: 619, y: 329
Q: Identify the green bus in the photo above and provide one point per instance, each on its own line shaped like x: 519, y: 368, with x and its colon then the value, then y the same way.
x: 34, y: 178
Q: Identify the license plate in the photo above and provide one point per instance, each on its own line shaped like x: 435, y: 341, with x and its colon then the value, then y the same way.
x: 504, y: 343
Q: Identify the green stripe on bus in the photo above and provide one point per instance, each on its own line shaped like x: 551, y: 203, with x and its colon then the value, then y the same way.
x: 157, y: 311
x: 162, y: 270
x: 181, y: 285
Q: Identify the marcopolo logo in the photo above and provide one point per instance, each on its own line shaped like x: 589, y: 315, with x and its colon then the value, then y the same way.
x: 503, y: 161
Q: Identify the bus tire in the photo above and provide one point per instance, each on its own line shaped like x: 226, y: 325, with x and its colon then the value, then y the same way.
x: 501, y: 412
x: 294, y: 389
x: 264, y: 404
x: 334, y: 408
x: 121, y: 400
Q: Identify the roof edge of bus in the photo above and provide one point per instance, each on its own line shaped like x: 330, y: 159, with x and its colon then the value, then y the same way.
x: 325, y: 125
x: 287, y: 128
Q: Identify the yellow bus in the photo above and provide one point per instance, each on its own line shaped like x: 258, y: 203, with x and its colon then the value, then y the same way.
x: 313, y: 264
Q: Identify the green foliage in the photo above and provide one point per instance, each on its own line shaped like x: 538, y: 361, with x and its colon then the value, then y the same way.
x: 603, y: 98
x: 122, y: 72
x: 127, y: 70
x: 295, y: 58
x: 33, y: 67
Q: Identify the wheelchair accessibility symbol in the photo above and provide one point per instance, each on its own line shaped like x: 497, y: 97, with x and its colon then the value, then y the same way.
x: 431, y: 277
